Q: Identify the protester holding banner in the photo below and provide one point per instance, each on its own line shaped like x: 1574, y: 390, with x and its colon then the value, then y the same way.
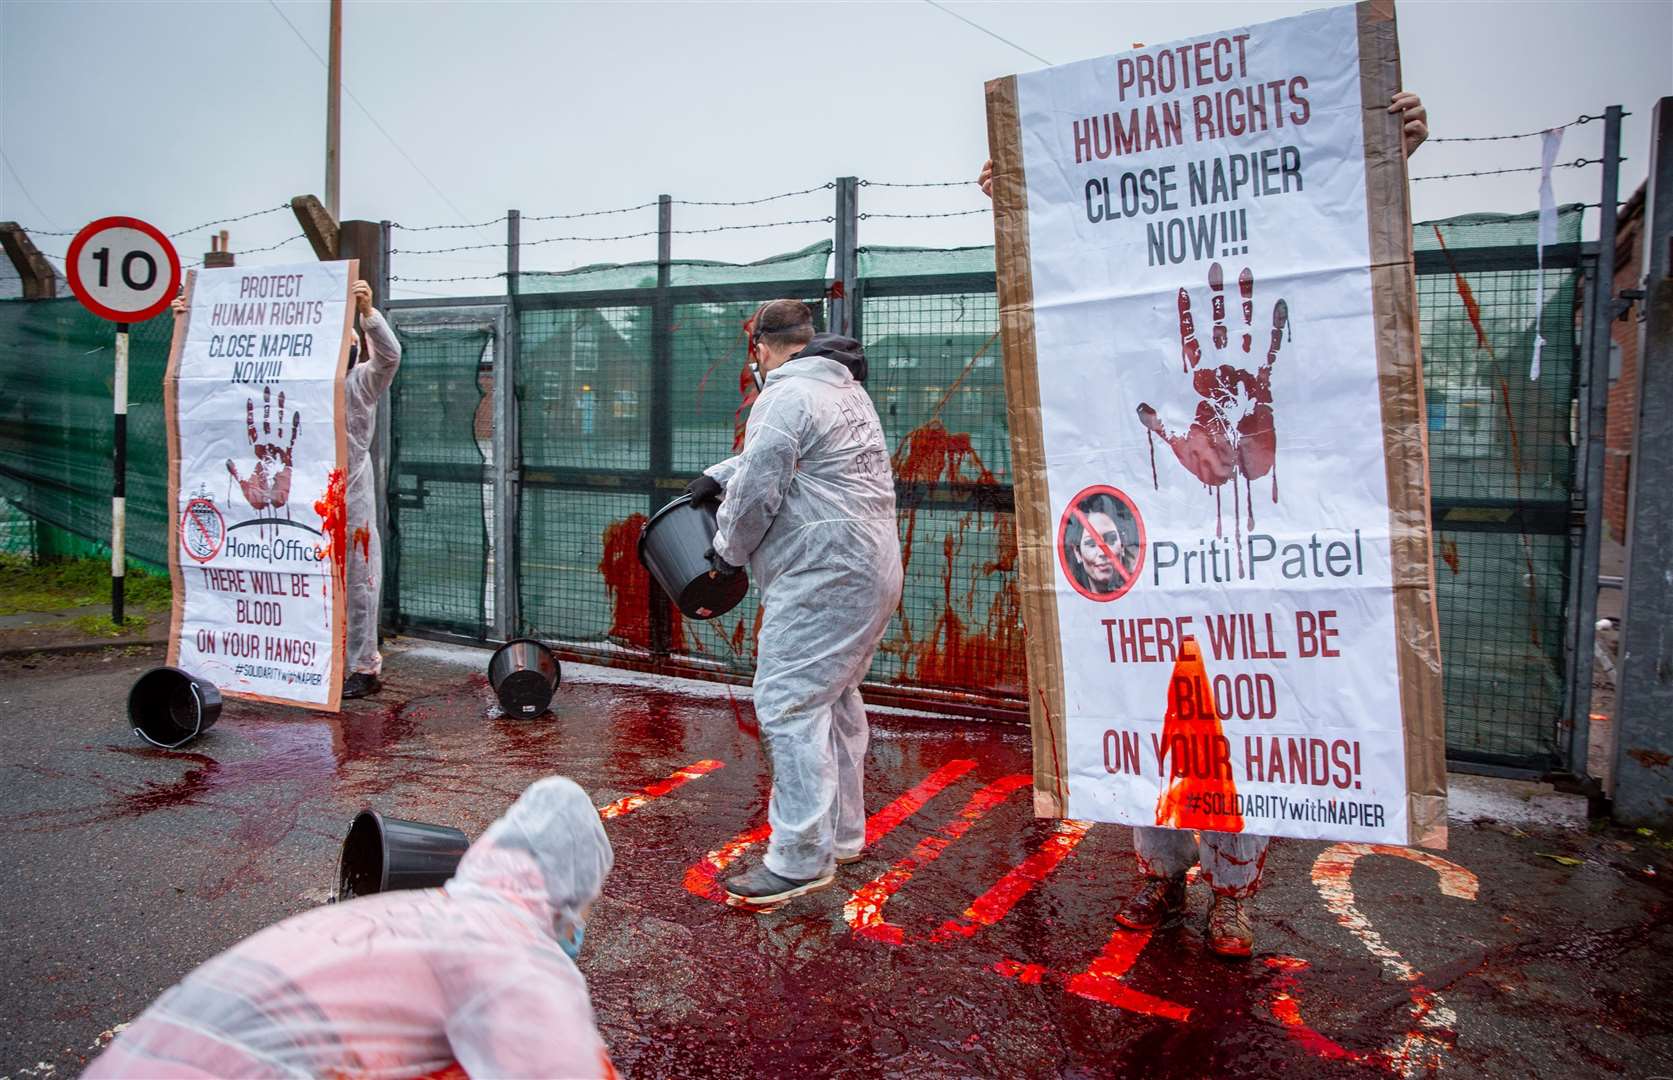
x: 810, y: 506
x: 370, y: 374
x: 480, y: 972
x: 1233, y: 430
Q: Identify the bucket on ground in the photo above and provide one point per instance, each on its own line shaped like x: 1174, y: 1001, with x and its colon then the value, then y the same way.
x: 169, y: 707
x: 673, y: 547
x: 381, y: 854
x: 523, y: 673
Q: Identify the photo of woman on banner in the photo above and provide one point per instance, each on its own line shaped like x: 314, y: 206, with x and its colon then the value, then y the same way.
x: 1100, y: 545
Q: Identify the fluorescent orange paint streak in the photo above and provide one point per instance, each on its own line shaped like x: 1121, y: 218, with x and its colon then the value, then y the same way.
x: 998, y: 901
x: 864, y: 910
x: 678, y: 778
x: 702, y: 878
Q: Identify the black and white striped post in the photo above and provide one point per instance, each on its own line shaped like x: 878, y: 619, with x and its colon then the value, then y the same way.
x: 119, y: 478
x: 127, y: 271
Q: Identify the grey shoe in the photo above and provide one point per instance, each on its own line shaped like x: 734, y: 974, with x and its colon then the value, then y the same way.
x: 761, y: 886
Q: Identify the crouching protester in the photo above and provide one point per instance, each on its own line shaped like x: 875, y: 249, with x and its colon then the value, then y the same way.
x: 809, y: 505
x: 480, y: 972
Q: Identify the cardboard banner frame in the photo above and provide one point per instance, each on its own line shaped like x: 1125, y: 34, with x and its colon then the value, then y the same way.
x: 1405, y: 438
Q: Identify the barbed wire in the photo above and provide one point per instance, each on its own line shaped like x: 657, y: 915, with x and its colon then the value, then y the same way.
x: 230, y: 220
x: 588, y: 213
x: 1577, y: 121
x: 437, y: 228
x: 1577, y: 163
x: 460, y: 277
x: 930, y: 214
x: 619, y: 236
x: 926, y: 184
x: 827, y: 186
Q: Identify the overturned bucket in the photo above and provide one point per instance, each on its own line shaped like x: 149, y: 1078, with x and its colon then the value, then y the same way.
x: 523, y: 673
x: 381, y: 854
x: 673, y: 548
x: 169, y: 707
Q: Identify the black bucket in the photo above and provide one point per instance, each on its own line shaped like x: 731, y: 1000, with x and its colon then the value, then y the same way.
x: 523, y: 673
x: 672, y: 548
x: 169, y: 707
x: 382, y: 854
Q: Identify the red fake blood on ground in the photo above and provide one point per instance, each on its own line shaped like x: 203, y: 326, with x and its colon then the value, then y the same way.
x: 1200, y: 791
x: 630, y: 587
x: 333, y: 514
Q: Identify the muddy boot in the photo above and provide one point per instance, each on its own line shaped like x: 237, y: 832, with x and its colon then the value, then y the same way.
x: 1159, y: 902
x: 1229, y: 932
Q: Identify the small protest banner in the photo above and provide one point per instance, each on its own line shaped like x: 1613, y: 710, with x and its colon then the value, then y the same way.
x: 1209, y: 325
x: 258, y: 449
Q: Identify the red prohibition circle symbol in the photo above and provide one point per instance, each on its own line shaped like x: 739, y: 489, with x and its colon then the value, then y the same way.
x: 202, y: 530
x: 1124, y: 562
x: 72, y: 269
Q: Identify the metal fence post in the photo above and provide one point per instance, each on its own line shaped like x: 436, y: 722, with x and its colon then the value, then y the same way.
x: 509, y: 467
x: 382, y: 461
x: 846, y: 262
x: 1643, y: 790
x: 1593, y: 410
x: 662, y: 397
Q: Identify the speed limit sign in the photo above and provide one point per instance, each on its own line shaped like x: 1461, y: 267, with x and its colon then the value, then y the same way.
x: 123, y: 269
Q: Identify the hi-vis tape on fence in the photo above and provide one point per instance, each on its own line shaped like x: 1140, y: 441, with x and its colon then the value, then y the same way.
x: 258, y: 452
x: 1210, y: 337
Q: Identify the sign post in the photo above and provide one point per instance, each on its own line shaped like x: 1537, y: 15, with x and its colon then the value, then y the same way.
x: 124, y: 270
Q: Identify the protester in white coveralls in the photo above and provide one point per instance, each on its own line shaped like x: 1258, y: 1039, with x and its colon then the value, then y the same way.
x: 810, y: 506
x: 479, y: 972
x: 370, y: 373
x: 1231, y: 862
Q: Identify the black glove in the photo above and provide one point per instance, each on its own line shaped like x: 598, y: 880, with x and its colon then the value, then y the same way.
x: 720, y: 566
x: 703, y: 488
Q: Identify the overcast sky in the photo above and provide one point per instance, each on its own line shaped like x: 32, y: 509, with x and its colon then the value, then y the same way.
x: 182, y: 112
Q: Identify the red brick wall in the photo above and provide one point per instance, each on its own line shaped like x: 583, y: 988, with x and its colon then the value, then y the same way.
x: 1623, y: 393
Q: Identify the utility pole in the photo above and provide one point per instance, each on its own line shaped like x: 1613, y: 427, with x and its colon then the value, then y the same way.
x: 334, y: 112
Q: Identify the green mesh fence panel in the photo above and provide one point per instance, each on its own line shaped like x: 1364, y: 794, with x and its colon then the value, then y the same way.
x: 56, y: 366
x: 441, y: 490
x: 17, y: 530
x: 809, y: 262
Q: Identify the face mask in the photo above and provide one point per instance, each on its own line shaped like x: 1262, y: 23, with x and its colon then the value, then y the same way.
x: 572, y: 945
x: 755, y: 376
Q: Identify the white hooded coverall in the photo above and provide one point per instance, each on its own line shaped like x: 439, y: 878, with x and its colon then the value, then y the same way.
x: 362, y: 388
x: 810, y: 507
x: 403, y: 984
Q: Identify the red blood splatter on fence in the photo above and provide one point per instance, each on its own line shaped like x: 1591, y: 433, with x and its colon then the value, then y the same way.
x: 1200, y: 792
x: 1471, y: 308
x: 630, y: 588
x: 1449, y: 554
x: 333, y: 513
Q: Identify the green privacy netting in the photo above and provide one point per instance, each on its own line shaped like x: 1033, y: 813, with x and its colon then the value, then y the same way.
x: 806, y: 264
x: 920, y: 262
x: 56, y: 370
x: 586, y: 391
x: 440, y: 489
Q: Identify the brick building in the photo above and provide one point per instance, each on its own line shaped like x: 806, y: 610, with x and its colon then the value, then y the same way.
x: 1623, y: 374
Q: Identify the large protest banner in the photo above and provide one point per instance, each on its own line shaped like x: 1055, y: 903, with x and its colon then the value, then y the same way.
x: 258, y: 448
x: 1209, y: 316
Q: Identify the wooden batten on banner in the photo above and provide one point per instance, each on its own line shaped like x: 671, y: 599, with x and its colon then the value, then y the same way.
x: 1035, y: 559
x: 1405, y: 430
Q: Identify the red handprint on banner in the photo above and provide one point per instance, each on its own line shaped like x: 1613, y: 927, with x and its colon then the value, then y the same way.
x: 1232, y: 433
x: 268, y: 485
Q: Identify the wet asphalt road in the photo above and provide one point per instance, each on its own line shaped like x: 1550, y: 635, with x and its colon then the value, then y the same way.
x: 996, y: 955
